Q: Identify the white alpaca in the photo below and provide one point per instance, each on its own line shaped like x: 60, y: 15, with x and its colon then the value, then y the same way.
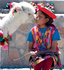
x: 25, y: 14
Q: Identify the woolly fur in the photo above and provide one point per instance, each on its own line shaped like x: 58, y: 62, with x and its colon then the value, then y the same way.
x: 25, y: 14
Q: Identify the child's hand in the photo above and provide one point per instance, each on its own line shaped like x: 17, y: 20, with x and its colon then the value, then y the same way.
x: 33, y: 53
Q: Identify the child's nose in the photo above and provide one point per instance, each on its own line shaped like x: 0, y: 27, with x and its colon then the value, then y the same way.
x: 37, y: 17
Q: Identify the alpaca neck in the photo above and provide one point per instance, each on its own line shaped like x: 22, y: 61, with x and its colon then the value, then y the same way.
x: 11, y: 23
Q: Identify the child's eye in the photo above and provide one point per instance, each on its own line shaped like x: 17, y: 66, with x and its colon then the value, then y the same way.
x: 40, y: 16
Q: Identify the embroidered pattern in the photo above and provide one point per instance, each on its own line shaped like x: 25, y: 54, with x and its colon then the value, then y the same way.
x: 47, y: 40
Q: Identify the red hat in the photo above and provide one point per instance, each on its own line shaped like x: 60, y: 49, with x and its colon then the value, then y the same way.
x: 49, y: 13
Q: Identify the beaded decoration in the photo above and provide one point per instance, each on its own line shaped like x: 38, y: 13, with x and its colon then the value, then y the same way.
x: 14, y: 12
x: 4, y: 40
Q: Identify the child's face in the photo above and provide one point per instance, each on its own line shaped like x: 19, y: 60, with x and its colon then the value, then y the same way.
x: 40, y: 18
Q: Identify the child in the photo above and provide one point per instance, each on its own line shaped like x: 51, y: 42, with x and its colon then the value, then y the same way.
x: 43, y: 41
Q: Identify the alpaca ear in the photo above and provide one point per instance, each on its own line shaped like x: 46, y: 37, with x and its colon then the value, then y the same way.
x: 20, y: 9
x: 13, y: 4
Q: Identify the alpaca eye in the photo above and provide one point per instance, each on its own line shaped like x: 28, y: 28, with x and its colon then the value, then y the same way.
x: 29, y: 14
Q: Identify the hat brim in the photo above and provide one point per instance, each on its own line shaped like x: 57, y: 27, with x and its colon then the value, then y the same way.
x: 46, y: 11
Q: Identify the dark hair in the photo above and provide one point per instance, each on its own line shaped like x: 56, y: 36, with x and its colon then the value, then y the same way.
x: 50, y: 19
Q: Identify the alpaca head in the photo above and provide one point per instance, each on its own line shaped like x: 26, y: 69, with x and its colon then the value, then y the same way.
x: 21, y: 13
x: 25, y: 12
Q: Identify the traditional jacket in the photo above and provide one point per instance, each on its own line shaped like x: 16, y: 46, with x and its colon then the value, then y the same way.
x: 47, y: 40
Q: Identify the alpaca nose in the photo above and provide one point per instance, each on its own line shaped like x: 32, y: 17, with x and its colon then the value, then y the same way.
x: 35, y: 16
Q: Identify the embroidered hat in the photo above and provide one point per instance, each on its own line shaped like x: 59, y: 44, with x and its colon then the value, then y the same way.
x: 47, y: 11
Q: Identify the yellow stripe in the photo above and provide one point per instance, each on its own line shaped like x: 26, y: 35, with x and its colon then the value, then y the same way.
x: 32, y: 32
x: 40, y: 41
x: 46, y: 33
x: 36, y: 37
x: 36, y: 30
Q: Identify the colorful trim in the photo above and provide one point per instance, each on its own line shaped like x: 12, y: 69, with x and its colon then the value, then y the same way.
x: 4, y: 40
x: 47, y: 40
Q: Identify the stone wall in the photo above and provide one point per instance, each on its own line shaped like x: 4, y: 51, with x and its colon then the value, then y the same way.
x: 19, y: 46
